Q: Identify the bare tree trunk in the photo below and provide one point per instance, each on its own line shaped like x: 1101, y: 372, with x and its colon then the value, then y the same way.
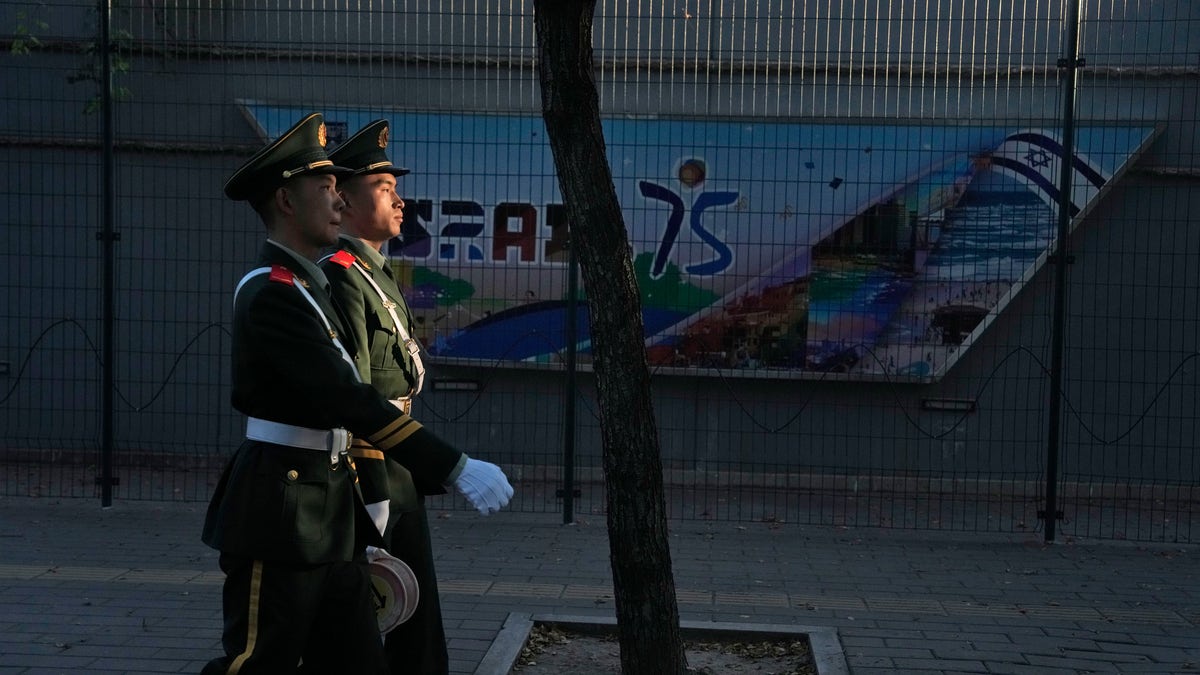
x: 643, y: 583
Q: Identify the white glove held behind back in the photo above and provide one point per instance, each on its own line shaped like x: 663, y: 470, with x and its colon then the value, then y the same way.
x: 484, y: 485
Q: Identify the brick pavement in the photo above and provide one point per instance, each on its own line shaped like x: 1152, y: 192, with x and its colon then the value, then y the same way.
x: 131, y: 589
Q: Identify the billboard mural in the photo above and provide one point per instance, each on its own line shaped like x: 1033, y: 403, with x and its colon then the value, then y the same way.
x: 763, y: 246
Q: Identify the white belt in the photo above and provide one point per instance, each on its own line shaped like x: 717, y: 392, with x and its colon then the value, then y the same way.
x: 333, y: 441
x: 404, y: 404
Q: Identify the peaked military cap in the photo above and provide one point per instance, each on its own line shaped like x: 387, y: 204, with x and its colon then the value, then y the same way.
x: 298, y: 151
x: 366, y: 151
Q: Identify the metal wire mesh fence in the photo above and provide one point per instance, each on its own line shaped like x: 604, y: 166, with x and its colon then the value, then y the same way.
x: 924, y: 264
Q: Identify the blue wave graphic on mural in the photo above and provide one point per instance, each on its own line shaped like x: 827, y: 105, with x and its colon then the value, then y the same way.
x: 532, y: 331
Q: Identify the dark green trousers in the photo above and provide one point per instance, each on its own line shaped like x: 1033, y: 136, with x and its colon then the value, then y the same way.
x: 278, y: 615
x: 417, y: 646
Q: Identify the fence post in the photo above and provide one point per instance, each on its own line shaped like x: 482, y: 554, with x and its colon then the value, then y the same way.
x: 1068, y: 65
x: 107, y: 237
x: 568, y: 485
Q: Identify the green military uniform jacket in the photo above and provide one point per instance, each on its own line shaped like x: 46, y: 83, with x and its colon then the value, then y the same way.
x: 275, y: 502
x: 388, y: 365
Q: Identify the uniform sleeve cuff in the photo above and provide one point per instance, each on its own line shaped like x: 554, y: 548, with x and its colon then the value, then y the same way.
x: 457, y: 470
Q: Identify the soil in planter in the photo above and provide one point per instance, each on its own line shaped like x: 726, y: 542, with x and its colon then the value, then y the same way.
x: 552, y: 651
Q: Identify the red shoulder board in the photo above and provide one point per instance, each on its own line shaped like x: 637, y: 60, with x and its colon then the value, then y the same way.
x: 343, y: 257
x: 282, y: 274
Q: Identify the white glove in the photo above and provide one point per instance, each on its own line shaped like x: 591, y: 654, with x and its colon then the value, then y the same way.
x: 484, y: 485
x: 379, y: 514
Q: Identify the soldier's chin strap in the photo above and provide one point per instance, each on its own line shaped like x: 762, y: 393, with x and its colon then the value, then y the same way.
x: 411, y: 345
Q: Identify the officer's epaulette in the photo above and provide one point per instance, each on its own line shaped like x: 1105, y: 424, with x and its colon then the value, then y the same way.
x: 343, y: 257
x: 283, y: 275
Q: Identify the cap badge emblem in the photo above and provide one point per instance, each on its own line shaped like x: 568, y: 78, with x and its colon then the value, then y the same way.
x: 321, y: 134
x: 383, y: 138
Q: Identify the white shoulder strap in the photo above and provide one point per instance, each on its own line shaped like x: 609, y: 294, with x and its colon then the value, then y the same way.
x: 249, y: 275
x: 413, y: 347
x: 317, y: 308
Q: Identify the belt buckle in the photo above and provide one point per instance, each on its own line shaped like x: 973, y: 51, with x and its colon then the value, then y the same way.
x: 412, y: 346
x: 338, y: 447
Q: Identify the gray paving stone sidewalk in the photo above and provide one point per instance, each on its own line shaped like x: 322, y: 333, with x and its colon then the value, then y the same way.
x: 131, y: 589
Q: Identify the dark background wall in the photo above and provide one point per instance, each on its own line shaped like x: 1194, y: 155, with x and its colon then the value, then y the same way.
x: 1132, y: 302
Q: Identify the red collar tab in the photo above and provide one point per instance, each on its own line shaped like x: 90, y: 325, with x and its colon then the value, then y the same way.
x: 283, y: 275
x: 343, y: 257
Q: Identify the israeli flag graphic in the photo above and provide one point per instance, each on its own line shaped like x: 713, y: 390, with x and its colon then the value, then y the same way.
x: 1034, y: 158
